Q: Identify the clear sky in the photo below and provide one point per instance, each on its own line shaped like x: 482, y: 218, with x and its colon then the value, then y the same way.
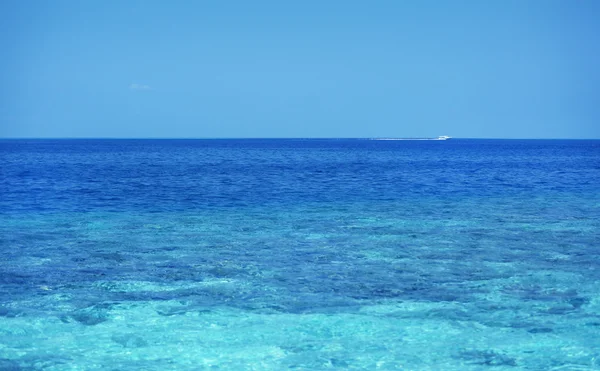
x: 202, y: 69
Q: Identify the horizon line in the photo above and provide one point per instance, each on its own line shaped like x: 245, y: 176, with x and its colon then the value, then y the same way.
x: 278, y: 138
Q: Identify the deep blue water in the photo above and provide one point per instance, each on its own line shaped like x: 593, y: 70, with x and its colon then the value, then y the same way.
x: 302, y: 254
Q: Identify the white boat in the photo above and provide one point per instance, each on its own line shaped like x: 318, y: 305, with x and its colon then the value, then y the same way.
x: 441, y: 137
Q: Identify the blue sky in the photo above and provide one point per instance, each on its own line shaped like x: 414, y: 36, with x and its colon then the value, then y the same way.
x: 201, y: 69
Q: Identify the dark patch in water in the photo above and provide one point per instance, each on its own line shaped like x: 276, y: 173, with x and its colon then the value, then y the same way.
x: 8, y: 278
x: 172, y: 311
x: 535, y: 292
x: 577, y: 302
x: 540, y: 330
x: 339, y: 363
x: 129, y: 340
x: 91, y: 316
x: 562, y: 309
x: 9, y: 365
x: 110, y: 256
x: 9, y: 313
x: 487, y: 358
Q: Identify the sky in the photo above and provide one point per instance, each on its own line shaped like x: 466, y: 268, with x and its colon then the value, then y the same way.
x: 238, y: 69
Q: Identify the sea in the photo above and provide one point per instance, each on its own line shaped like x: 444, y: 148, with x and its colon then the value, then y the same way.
x: 301, y: 254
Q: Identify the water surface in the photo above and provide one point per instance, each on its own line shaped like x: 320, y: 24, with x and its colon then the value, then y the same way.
x: 299, y: 254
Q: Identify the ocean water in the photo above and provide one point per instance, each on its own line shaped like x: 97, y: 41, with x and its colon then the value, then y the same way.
x: 299, y: 254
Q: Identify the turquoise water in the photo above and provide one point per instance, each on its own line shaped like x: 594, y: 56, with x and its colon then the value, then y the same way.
x: 300, y: 254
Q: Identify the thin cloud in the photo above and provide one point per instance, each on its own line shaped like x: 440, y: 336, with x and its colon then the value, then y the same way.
x: 135, y: 86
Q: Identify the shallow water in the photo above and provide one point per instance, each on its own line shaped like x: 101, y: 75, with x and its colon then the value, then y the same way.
x: 299, y: 254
